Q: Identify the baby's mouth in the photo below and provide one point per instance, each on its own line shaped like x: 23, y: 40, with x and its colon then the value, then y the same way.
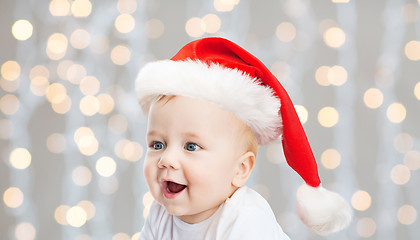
x: 173, y: 187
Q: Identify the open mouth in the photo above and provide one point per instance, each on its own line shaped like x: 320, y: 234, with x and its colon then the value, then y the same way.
x: 172, y: 189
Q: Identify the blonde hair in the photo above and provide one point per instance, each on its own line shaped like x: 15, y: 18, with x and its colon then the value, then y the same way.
x: 245, y: 135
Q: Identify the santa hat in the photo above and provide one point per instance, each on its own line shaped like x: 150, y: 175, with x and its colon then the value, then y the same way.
x: 219, y: 71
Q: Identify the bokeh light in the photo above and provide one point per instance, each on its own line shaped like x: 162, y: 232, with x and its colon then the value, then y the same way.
x: 120, y: 55
x: 147, y: 202
x: 330, y: 158
x: 106, y: 166
x: 321, y: 76
x: 400, y: 174
x: 9, y: 104
x: 121, y: 236
x: 9, y: 86
x: 76, y: 216
x: 127, y: 6
x: 89, y: 85
x: 337, y: 75
x: 412, y: 50
x: 302, y: 113
x: 136, y: 236
x: 412, y: 160
x: 403, y: 142
x: 225, y: 5
x: 334, y: 37
x: 86, y: 141
x: 63, y: 106
x: 81, y: 8
x: 89, y: 208
x: 328, y: 117
x: 373, y: 98
x: 60, y: 214
x: 20, y: 158
x: 13, y: 197
x: 89, y: 105
x: 56, y: 143
x: 39, y: 85
x: 81, y: 176
x: 25, y: 231
x: 106, y: 103
x: 361, y: 200
x: 396, y: 112
x: 154, y: 28
x: 417, y: 90
x: 22, y: 29
x: 407, y: 215
x: 366, y: 227
x: 195, y: 27
x: 410, y: 12
x: 80, y: 39
x: 10, y: 70
x: 59, y: 7
x: 212, y: 23
x: 124, y: 23
x: 286, y: 32
x: 57, y: 46
x: 75, y: 73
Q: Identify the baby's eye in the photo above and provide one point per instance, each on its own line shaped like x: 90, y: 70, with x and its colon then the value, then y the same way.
x: 192, y: 147
x: 158, y: 145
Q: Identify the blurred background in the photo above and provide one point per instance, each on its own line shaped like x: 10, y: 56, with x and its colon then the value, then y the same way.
x: 72, y: 135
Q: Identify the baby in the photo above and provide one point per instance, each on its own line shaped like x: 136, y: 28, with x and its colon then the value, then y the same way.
x: 208, y: 109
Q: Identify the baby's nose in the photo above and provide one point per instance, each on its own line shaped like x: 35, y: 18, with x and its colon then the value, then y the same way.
x: 169, y: 159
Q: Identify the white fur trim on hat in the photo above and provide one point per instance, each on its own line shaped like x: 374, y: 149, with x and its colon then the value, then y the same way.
x: 322, y: 210
x: 230, y: 89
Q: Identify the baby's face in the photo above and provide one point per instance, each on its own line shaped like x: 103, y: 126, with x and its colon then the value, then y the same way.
x: 192, y: 157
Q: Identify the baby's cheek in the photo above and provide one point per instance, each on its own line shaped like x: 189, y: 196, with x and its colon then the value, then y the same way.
x: 149, y: 171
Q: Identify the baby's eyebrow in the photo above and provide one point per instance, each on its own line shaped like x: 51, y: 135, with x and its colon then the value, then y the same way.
x: 190, y: 134
x: 152, y: 133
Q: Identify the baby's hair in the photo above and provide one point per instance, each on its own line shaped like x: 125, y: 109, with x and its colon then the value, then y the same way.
x: 247, y: 137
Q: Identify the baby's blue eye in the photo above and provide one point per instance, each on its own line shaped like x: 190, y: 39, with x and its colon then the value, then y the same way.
x: 192, y: 147
x: 158, y: 145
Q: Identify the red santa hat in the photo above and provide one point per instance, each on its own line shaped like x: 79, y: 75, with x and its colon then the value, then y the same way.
x: 219, y: 71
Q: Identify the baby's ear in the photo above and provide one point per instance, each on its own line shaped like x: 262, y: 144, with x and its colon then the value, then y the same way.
x: 244, y: 167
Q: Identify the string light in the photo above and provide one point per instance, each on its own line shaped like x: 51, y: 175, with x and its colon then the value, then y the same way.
x: 286, y: 32
x: 366, y: 227
x: 20, y: 158
x: 120, y: 55
x: 407, y: 214
x: 361, y: 200
x: 154, y: 28
x: 13, y: 197
x: 10, y: 70
x: 373, y: 98
x: 195, y: 27
x: 328, y: 117
x: 25, y: 231
x: 330, y: 158
x: 412, y: 50
x: 334, y: 37
x: 22, y: 29
x: 124, y: 23
x: 302, y: 113
x: 396, y: 112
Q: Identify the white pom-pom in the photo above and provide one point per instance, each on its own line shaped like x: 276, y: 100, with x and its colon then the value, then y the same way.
x: 322, y: 210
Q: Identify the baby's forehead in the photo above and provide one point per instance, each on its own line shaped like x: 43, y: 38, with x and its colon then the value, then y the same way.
x: 200, y: 110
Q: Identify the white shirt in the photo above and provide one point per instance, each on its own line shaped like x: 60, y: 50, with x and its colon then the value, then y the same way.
x: 246, y: 215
